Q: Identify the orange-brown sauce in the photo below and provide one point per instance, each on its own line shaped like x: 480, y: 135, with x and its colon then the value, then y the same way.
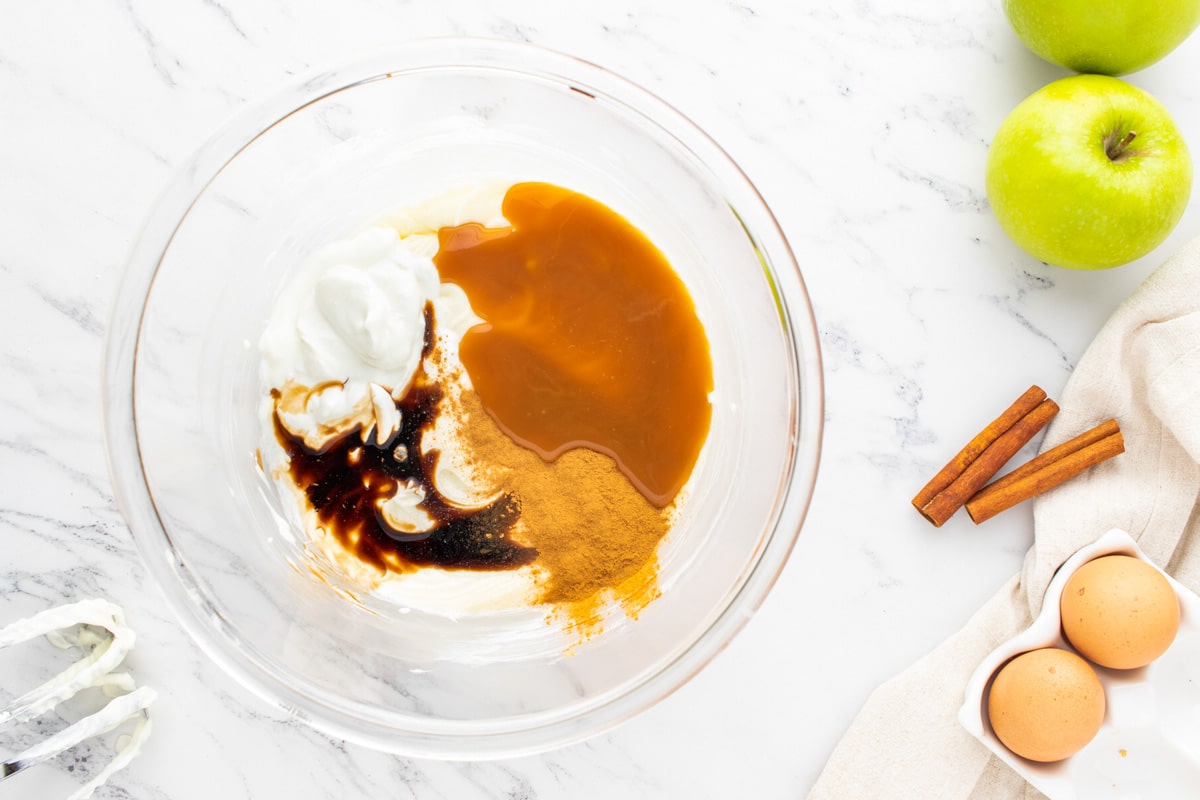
x: 590, y: 339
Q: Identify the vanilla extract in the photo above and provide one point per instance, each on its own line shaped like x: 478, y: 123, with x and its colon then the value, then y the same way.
x: 348, y: 481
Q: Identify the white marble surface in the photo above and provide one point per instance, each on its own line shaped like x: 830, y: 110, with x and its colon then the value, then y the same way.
x: 864, y: 124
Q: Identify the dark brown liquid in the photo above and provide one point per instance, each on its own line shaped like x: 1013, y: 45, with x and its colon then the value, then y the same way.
x: 347, y: 483
x: 590, y: 338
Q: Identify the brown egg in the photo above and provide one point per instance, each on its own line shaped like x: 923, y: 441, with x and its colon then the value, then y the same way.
x: 1045, y: 705
x: 1119, y: 612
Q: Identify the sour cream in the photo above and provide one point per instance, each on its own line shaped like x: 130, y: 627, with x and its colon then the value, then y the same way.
x: 343, y: 341
x: 353, y: 314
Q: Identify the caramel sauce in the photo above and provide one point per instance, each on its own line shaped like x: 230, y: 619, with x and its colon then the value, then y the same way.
x: 590, y: 339
x: 347, y: 482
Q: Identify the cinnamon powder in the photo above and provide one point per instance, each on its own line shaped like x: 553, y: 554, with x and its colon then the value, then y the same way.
x: 595, y: 534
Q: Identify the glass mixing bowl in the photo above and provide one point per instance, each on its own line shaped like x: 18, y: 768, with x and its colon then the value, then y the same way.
x: 182, y: 395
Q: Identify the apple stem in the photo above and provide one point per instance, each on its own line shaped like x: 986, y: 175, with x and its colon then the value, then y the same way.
x: 1115, y: 151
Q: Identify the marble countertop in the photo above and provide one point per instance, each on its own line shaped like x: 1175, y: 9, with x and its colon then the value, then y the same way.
x: 865, y: 125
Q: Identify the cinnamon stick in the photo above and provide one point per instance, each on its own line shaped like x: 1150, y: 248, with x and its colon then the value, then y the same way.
x: 984, y: 456
x: 1022, y: 406
x: 1048, y: 470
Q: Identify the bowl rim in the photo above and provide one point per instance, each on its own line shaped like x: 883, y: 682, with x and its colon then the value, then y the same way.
x: 204, y: 623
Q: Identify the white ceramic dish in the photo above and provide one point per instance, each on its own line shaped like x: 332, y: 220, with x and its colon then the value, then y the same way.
x: 1149, y: 745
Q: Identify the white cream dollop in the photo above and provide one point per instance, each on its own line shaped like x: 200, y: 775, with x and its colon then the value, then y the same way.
x: 355, y: 313
x: 329, y: 411
x: 402, y: 511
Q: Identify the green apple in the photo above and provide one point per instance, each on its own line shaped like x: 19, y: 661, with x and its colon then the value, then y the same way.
x: 1088, y: 172
x: 1110, y: 37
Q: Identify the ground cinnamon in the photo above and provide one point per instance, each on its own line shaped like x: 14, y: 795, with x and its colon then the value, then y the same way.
x: 595, y: 534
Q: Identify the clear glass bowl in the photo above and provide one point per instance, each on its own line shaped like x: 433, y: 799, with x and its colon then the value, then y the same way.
x: 181, y: 394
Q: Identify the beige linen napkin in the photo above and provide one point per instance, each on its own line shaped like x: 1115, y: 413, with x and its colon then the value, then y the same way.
x: 1143, y: 369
